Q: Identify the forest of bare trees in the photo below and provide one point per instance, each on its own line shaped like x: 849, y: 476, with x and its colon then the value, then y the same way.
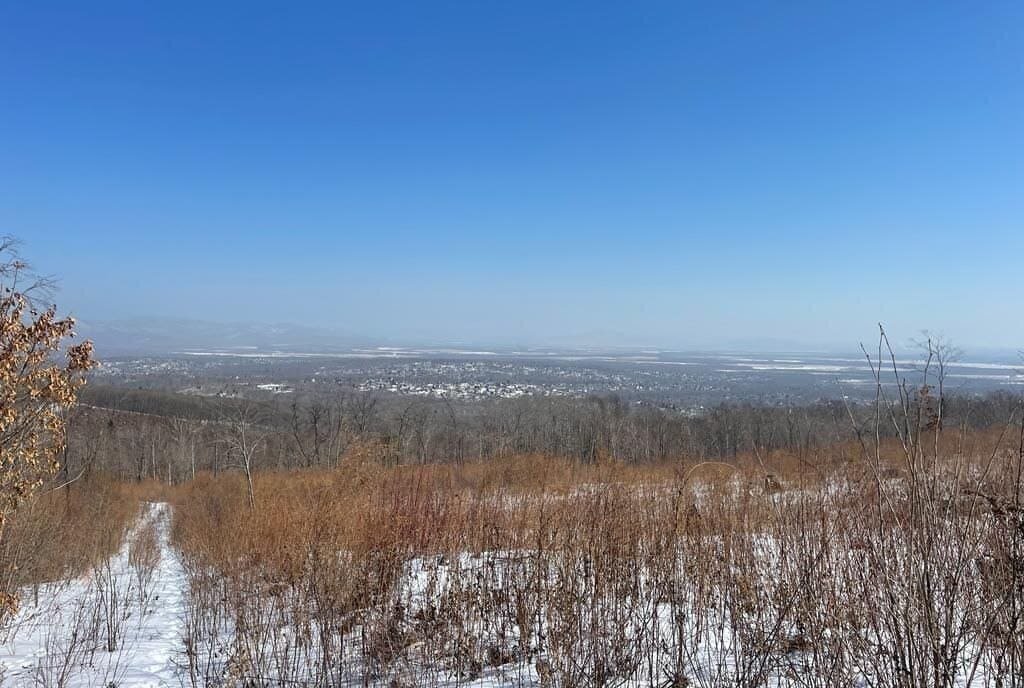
x: 136, y: 434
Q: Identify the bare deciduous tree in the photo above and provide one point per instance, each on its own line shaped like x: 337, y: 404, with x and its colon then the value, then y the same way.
x: 244, y: 436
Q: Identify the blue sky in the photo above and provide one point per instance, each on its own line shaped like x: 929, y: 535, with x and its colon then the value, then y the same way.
x: 677, y: 174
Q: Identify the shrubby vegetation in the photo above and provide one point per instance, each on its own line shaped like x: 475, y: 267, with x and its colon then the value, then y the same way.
x: 898, y: 569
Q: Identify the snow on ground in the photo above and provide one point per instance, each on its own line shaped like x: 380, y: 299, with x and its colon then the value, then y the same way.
x: 124, y: 624
x: 120, y: 625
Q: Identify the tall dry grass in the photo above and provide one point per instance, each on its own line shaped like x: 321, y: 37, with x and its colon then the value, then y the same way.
x: 65, y: 532
x: 889, y: 570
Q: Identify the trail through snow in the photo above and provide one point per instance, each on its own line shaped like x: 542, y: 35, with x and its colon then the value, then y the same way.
x: 66, y: 638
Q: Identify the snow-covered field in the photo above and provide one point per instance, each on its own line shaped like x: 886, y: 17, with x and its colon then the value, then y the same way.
x: 118, y: 626
x: 150, y: 616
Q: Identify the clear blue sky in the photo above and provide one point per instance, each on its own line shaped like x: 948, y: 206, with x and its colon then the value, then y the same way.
x: 677, y: 173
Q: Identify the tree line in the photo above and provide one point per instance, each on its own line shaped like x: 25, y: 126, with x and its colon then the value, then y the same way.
x: 145, y: 434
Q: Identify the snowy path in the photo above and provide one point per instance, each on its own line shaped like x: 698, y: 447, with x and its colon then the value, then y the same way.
x: 66, y: 639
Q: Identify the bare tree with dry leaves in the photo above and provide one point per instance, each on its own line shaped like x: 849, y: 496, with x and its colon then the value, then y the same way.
x: 36, y: 386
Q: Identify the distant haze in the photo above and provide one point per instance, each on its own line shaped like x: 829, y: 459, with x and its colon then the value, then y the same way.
x: 157, y: 336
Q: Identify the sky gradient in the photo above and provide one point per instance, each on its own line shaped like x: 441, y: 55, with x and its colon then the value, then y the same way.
x: 672, y: 174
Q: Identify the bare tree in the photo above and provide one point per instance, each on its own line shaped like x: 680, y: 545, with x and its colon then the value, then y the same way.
x: 244, y: 436
x: 185, y: 433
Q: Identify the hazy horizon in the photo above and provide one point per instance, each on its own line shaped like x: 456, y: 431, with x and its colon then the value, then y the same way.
x: 687, y: 177
x: 154, y: 335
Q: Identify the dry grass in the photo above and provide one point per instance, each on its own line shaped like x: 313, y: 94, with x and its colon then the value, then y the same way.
x: 907, y: 572
x: 65, y: 532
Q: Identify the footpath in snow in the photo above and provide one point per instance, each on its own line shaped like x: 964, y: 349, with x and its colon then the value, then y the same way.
x: 120, y: 625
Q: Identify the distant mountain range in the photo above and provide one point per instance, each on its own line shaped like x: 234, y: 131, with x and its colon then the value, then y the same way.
x: 157, y: 336
x: 169, y: 335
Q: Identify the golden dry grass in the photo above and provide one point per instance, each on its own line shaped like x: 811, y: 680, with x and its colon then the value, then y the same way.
x: 583, y: 573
